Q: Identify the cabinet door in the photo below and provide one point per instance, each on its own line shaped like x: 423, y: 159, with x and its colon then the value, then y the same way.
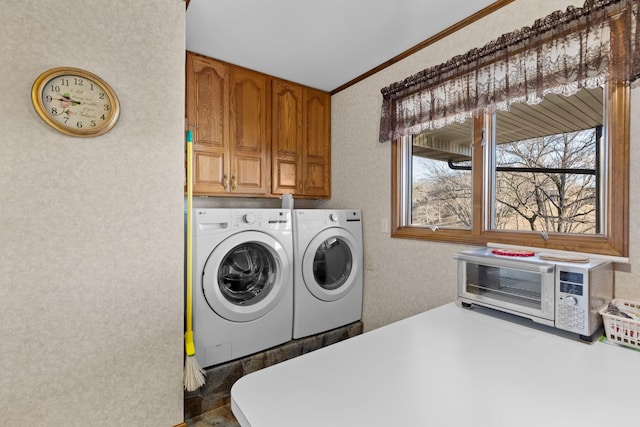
x: 249, y: 136
x: 317, y: 143
x: 208, y: 116
x: 286, y: 110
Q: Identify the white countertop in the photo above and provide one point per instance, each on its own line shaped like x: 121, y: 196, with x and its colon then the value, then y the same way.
x: 447, y: 367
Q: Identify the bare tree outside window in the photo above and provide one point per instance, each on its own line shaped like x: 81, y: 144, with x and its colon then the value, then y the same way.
x: 548, y: 184
x: 441, y: 196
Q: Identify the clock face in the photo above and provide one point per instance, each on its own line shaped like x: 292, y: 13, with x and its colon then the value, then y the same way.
x: 75, y: 102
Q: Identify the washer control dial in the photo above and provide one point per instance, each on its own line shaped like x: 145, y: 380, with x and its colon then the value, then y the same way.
x: 333, y: 217
x: 248, y: 218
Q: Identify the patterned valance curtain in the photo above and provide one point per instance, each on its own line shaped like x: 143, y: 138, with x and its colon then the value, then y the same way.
x: 561, y: 53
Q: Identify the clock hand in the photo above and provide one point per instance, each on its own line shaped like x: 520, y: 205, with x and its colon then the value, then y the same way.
x: 66, y: 98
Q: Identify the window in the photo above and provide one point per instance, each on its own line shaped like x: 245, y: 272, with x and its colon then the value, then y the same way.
x: 552, y: 175
x: 440, y: 179
x: 547, y: 165
x: 524, y: 141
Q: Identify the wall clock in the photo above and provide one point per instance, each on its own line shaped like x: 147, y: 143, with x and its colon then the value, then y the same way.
x: 75, y: 102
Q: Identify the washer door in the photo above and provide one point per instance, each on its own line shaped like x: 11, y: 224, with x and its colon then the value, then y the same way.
x: 245, y: 276
x: 330, y: 263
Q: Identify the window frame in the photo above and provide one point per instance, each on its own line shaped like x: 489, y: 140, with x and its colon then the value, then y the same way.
x: 614, y: 241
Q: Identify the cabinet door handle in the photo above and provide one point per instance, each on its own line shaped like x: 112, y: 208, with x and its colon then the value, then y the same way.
x: 233, y: 182
x: 225, y: 182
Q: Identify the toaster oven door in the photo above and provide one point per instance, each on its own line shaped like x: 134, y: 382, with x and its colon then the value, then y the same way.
x: 518, y: 287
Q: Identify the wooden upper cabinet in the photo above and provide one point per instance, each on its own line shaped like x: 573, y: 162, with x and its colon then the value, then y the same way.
x: 286, y: 141
x: 256, y: 135
x: 301, y: 140
x: 249, y: 148
x: 207, y: 110
x: 317, y: 143
x: 227, y: 108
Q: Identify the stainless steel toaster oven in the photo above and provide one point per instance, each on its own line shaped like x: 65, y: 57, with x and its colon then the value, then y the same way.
x: 565, y: 295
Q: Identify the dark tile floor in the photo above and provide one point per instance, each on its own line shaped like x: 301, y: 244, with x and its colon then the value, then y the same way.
x: 210, y: 405
x: 220, y: 417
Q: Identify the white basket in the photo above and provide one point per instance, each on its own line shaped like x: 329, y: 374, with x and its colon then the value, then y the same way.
x: 621, y: 329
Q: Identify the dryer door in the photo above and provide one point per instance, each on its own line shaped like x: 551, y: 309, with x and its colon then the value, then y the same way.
x: 245, y: 276
x: 330, y: 264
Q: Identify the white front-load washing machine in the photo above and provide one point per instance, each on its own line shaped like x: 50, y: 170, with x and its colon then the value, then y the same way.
x: 328, y: 270
x: 242, y: 282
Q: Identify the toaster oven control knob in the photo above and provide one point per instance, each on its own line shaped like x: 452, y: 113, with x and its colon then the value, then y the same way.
x: 571, y: 301
x: 248, y: 218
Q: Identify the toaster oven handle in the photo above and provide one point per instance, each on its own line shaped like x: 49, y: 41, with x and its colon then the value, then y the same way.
x: 507, y: 263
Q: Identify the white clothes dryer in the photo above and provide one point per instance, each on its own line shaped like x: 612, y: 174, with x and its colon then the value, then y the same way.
x: 243, y: 282
x: 328, y: 272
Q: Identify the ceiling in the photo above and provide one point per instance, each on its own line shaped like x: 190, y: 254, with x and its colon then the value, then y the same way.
x: 323, y: 44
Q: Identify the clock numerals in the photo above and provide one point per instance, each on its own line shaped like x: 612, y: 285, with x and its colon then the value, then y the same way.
x: 76, y: 82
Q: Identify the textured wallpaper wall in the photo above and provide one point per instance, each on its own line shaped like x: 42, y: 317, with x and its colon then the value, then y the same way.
x: 91, y: 252
x: 404, y: 277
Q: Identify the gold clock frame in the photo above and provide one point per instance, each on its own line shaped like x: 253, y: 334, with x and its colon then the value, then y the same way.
x: 53, y: 73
